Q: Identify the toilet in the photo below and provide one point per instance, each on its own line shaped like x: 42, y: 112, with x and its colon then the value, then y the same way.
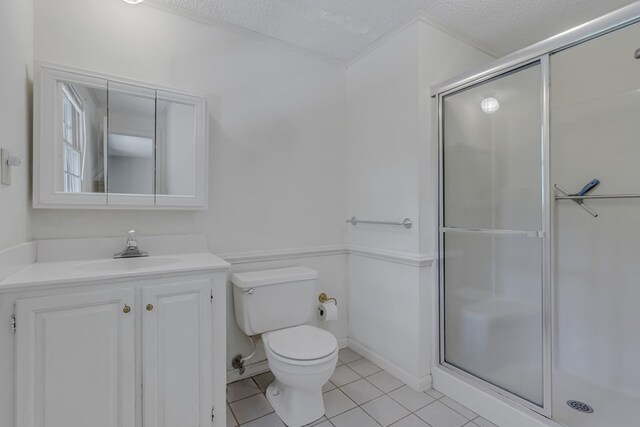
x: 277, y: 304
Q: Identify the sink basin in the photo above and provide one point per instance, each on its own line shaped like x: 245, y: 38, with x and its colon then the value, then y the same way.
x: 127, y: 264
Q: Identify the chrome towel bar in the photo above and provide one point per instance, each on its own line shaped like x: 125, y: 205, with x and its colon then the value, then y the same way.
x: 577, y: 199
x: 406, y: 223
x: 600, y: 196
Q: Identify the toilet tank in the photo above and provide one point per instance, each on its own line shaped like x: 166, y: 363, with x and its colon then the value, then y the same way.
x: 273, y: 299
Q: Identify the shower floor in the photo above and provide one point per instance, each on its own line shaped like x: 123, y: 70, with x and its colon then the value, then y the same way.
x: 612, y: 408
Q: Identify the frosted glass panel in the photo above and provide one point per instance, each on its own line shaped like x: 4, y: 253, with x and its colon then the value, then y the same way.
x: 493, y: 278
x: 492, y: 160
x: 493, y: 315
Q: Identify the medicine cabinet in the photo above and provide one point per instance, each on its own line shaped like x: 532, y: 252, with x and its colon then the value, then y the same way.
x: 102, y: 142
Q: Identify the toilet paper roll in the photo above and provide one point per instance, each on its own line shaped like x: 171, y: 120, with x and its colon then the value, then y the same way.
x: 328, y: 311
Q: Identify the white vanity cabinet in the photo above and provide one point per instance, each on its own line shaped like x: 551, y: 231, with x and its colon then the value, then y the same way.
x: 75, y: 360
x: 176, y: 354
x: 126, y: 352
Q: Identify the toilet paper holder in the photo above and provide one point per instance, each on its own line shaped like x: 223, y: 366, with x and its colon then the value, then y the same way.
x: 324, y: 298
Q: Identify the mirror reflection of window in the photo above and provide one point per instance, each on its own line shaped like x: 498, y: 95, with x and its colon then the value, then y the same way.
x: 83, y: 123
x: 73, y: 137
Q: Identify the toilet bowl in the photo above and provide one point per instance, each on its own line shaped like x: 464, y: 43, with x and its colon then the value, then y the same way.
x: 278, y: 304
x: 302, y: 359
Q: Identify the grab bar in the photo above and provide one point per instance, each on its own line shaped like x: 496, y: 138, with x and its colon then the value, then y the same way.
x: 406, y: 223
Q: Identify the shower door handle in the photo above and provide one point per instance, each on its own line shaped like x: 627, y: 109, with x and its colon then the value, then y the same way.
x: 521, y: 233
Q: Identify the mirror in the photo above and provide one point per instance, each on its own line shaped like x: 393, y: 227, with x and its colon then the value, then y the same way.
x: 107, y: 142
x: 175, y: 125
x: 131, y: 140
x: 82, y: 117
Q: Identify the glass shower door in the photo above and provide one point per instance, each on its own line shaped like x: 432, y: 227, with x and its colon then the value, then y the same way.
x: 492, y: 233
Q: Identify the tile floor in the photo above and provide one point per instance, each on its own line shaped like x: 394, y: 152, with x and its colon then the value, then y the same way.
x: 359, y: 394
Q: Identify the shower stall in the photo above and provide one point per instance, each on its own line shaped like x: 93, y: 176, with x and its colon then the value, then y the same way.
x: 539, y: 225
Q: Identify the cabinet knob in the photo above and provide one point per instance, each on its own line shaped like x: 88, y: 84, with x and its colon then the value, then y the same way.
x: 126, y: 309
x: 149, y: 307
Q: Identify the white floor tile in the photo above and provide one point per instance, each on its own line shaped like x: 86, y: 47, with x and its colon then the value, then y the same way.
x: 271, y: 420
x: 263, y: 380
x: 411, y: 399
x: 231, y: 420
x: 364, y: 368
x: 385, y: 410
x: 344, y: 375
x: 410, y: 421
x: 481, y: 422
x: 384, y: 381
x: 354, y: 418
x: 241, y: 389
x: 323, y: 424
x: 251, y: 408
x: 439, y: 415
x: 336, y: 402
x: 318, y: 422
x: 434, y: 393
x: 462, y: 410
x: 361, y: 391
x: 346, y: 355
x: 328, y: 386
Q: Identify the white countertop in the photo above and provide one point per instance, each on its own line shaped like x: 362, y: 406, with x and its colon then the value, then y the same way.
x: 91, y: 270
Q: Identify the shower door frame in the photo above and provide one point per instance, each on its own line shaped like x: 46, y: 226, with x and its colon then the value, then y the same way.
x: 545, y: 213
x: 537, y: 53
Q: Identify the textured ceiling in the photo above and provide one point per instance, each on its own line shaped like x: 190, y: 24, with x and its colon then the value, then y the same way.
x: 342, y: 28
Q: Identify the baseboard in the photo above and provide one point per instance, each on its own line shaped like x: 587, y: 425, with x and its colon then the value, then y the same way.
x: 416, y: 383
x: 343, y: 343
x: 249, y: 371
x: 262, y: 366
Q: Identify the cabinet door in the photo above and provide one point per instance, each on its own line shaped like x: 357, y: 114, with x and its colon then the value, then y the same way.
x: 75, y: 360
x: 176, y: 354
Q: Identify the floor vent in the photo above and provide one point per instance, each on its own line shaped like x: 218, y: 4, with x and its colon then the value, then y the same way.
x: 580, y: 406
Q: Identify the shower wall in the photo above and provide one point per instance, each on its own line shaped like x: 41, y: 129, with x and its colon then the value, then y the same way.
x: 595, y: 133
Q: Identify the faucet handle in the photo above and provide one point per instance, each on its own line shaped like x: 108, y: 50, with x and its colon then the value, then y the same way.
x: 132, y: 238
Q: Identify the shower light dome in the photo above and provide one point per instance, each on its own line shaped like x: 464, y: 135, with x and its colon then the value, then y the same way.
x: 490, y: 105
x: 133, y: 1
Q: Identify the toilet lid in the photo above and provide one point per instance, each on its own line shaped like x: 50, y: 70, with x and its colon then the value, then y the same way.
x: 302, y: 343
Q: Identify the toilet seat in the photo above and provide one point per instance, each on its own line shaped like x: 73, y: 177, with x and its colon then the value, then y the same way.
x: 302, y: 343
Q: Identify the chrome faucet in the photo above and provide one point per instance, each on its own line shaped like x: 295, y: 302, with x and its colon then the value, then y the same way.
x: 131, y: 250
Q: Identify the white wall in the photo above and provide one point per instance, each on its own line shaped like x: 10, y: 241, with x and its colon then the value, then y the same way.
x: 16, y: 51
x: 391, y: 164
x: 278, y: 166
x: 277, y: 133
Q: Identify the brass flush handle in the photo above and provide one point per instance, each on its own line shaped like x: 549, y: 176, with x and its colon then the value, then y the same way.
x: 324, y: 298
x: 149, y: 307
x: 126, y: 309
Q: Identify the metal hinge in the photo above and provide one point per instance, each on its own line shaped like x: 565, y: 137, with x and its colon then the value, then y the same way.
x: 211, y: 297
x: 13, y: 324
x: 213, y: 412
